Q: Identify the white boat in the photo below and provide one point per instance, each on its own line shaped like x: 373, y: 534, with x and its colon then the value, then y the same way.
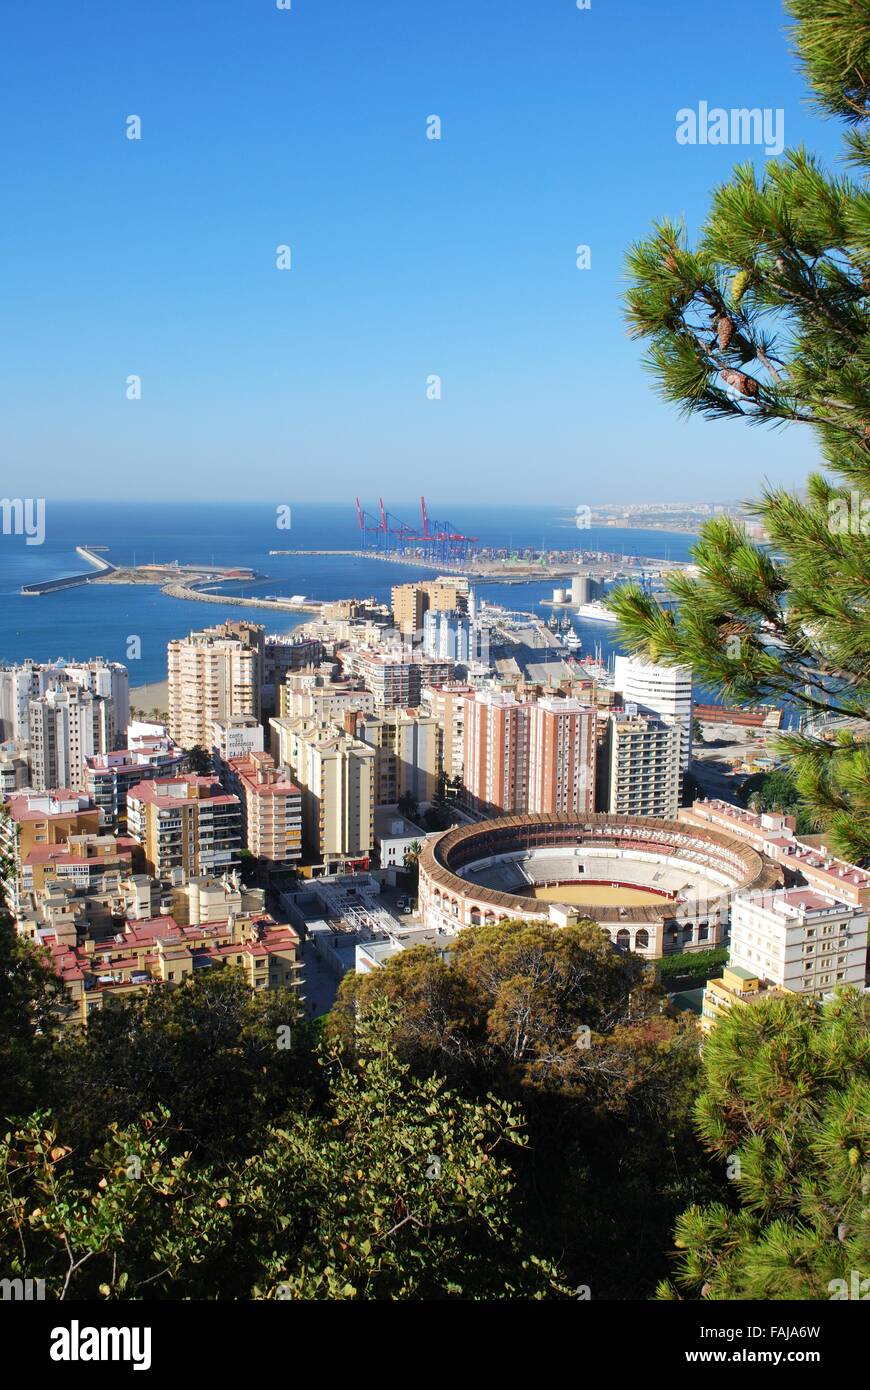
x: 572, y: 641
x: 595, y: 612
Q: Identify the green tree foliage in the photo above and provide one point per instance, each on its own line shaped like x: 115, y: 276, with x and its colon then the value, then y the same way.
x: 223, y: 1059
x: 512, y: 997
x: 766, y: 321
x: 700, y: 964
x: 29, y: 992
x: 396, y: 1188
x: 249, y: 867
x: 558, y: 1022
x: 777, y: 791
x: 786, y: 1107
x: 199, y: 761
x: 830, y: 38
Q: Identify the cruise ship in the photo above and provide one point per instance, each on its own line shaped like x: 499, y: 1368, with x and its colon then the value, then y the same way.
x: 595, y: 612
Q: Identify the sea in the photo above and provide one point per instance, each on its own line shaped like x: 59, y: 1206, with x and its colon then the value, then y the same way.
x: 100, y: 619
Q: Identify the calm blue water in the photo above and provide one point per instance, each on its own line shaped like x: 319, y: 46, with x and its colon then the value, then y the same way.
x: 97, y: 620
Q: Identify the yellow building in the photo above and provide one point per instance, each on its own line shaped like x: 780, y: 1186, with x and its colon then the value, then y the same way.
x: 187, y: 825
x: 214, y: 674
x: 95, y: 974
x: 335, y: 773
x: 409, y: 759
x: 737, y: 986
x: 34, y: 821
x: 411, y: 601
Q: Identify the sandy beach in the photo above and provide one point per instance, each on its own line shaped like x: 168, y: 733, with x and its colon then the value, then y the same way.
x: 149, y: 697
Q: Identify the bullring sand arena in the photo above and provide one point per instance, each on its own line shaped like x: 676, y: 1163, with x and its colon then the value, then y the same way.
x: 593, y: 894
x: 654, y: 886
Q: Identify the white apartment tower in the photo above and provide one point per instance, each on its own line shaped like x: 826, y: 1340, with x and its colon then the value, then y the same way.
x: 108, y: 679
x: 32, y: 679
x: 662, y: 690
x: 799, y: 939
x: 68, y: 725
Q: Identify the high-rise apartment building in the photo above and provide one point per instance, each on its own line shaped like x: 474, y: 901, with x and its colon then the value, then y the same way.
x: 411, y: 601
x: 68, y: 725
x: 187, y: 826
x: 640, y: 769
x: 33, y: 679
x: 335, y: 773
x: 213, y: 674
x: 561, y: 765
x: 530, y: 755
x: 409, y: 754
x: 271, y: 809
x: 799, y: 939
x: 447, y: 703
x: 448, y: 634
x: 18, y: 686
x: 109, y: 680
x: 662, y: 690
x: 398, y: 680
x: 281, y: 656
x: 496, y: 751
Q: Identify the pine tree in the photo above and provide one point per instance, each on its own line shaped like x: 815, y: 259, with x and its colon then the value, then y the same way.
x: 785, y: 1106
x: 766, y: 321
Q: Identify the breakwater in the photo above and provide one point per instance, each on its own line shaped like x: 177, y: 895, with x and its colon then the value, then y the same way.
x: 187, y: 591
x: 72, y: 581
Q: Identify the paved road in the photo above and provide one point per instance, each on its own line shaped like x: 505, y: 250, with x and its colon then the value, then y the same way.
x: 319, y: 985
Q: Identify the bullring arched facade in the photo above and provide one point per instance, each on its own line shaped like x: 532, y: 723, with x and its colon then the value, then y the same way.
x: 721, y: 864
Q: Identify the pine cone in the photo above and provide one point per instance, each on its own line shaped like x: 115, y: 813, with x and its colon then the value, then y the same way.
x: 724, y: 331
x: 739, y: 285
x: 746, y: 385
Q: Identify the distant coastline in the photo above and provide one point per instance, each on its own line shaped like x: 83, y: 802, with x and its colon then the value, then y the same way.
x: 101, y: 617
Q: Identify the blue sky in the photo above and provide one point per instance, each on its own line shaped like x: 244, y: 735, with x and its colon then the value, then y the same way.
x: 410, y: 257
